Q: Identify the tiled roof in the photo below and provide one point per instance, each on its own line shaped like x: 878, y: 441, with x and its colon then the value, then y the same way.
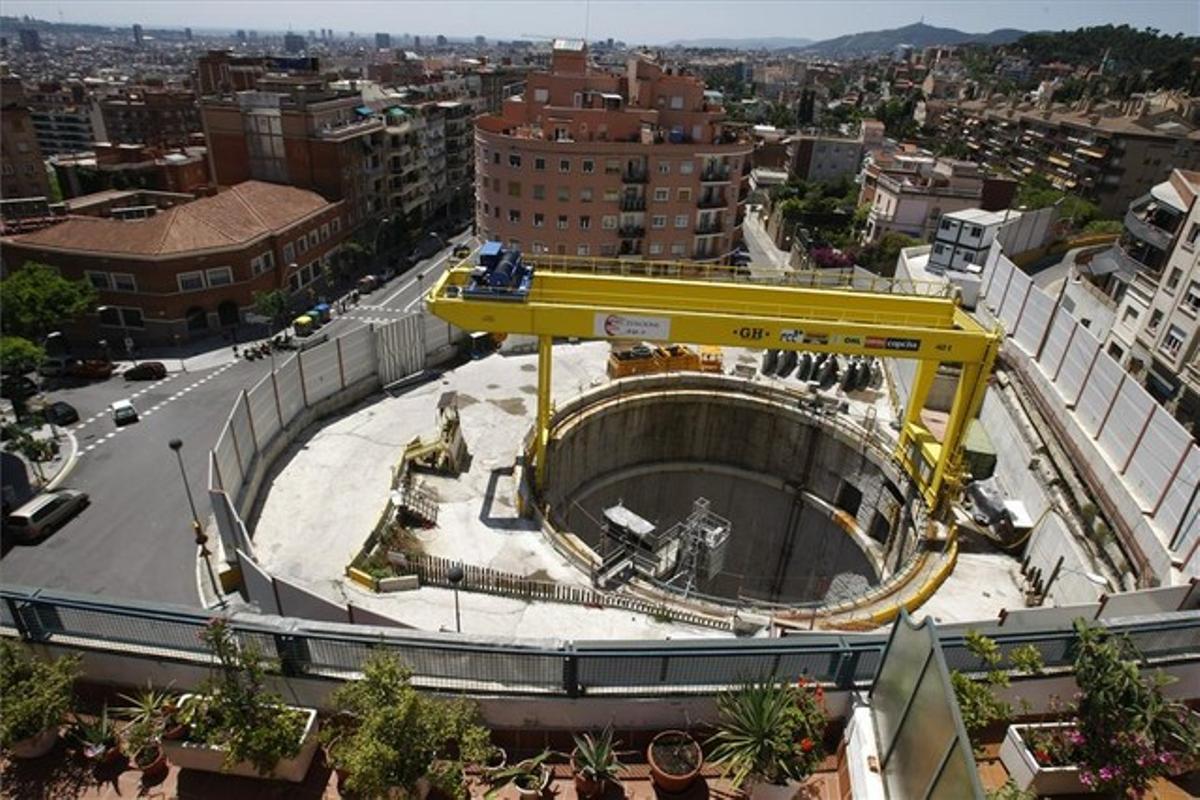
x: 234, y: 217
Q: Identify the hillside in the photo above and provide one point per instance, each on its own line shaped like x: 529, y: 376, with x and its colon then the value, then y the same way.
x: 759, y: 43
x: 918, y: 35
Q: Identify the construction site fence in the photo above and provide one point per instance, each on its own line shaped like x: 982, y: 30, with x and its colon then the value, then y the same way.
x: 435, y: 571
x: 166, y: 638
x: 1143, y: 465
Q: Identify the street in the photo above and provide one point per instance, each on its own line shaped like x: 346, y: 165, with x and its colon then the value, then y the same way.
x: 135, y: 538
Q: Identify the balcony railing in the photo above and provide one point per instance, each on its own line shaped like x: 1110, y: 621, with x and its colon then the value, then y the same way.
x: 710, y: 228
x: 715, y: 174
x: 632, y: 231
x: 630, y: 249
x: 1147, y: 232
x: 713, y: 201
x: 633, y: 203
x: 635, y: 176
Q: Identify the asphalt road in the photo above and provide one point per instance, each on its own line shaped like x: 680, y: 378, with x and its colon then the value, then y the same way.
x: 134, y: 540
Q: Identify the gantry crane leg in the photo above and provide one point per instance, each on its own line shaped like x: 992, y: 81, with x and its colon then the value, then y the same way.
x: 542, y: 434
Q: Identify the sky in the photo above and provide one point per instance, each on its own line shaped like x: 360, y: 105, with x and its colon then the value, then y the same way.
x: 634, y: 21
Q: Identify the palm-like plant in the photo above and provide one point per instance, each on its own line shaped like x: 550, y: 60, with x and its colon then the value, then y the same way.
x: 769, y: 731
x: 595, y: 757
x: 530, y: 775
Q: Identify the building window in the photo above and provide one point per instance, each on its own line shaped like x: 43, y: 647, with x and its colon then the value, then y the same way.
x: 582, y: 250
x: 99, y: 280
x: 664, y: 168
x: 1173, y: 340
x: 687, y: 167
x: 541, y: 95
x: 678, y: 249
x: 294, y: 281
x: 681, y: 220
x: 335, y: 224
x: 564, y: 165
x: 656, y: 248
x: 588, y: 165
x: 612, y: 166
x: 1193, y: 234
x: 1131, y: 315
x: 945, y: 225
x: 562, y: 222
x: 685, y: 195
x: 539, y: 165
x: 539, y: 247
x: 976, y: 231
x: 662, y: 195
x: 325, y: 232
x: 514, y: 215
x: 496, y: 158
x: 220, y: 276
x: 612, y: 195
x: 190, y: 281
x: 941, y: 248
x: 314, y: 238
x: 564, y: 194
x: 1191, y: 300
x: 609, y: 222
x: 539, y: 220
x: 585, y: 195
x: 585, y: 223
x: 676, y: 101
x: 514, y: 160
x: 1173, y: 279
x: 514, y: 188
x: 1115, y: 351
x: 1155, y: 320
x: 658, y: 221
x: 608, y: 249
x: 289, y: 253
x: 539, y: 191
x: 124, y: 282
x: 496, y: 212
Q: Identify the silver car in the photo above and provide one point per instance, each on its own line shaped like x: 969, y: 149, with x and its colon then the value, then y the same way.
x: 43, y: 514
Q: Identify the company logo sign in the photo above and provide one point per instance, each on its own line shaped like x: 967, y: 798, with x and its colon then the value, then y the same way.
x: 628, y: 326
x: 893, y: 343
x: 750, y: 334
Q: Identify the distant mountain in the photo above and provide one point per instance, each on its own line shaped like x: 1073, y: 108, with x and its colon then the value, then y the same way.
x: 918, y: 35
x: 764, y: 43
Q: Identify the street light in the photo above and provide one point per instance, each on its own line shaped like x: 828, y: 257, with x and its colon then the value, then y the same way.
x: 456, y: 576
x: 197, y: 528
x: 124, y: 331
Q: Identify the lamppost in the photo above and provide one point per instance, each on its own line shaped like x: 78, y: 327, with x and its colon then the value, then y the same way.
x: 197, y: 528
x: 125, y: 340
x: 456, y: 576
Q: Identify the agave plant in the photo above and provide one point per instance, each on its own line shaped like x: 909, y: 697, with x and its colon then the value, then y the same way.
x: 595, y: 757
x: 769, y: 731
x: 98, y: 737
x: 529, y: 775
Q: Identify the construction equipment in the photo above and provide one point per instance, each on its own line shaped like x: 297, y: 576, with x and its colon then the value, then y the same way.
x: 446, y: 454
x: 644, y: 359
x: 557, y: 296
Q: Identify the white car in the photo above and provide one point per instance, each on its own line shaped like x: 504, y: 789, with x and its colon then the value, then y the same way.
x: 123, y: 413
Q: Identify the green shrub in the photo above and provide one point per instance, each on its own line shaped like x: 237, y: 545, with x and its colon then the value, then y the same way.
x: 34, y: 694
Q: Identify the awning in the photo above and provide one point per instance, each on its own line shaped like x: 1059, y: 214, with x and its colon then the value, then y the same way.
x: 1109, y: 262
x: 1166, y: 193
x: 364, y: 111
x: 1058, y: 161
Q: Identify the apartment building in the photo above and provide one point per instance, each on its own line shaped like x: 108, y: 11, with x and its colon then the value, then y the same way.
x: 166, y: 276
x: 156, y: 116
x: 1152, y: 278
x: 604, y: 163
x: 22, y: 172
x: 828, y: 158
x: 296, y: 129
x: 1110, y: 153
x: 909, y: 193
x: 121, y: 166
x: 66, y: 118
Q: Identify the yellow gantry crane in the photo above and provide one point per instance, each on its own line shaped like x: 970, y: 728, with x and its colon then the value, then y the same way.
x: 556, y: 296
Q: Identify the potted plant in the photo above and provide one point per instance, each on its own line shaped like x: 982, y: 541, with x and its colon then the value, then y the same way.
x: 769, y: 736
x: 35, y: 695
x: 595, y: 763
x: 675, y: 760
x: 147, y: 714
x: 530, y: 777
x: 387, y: 736
x: 235, y: 725
x: 101, y: 744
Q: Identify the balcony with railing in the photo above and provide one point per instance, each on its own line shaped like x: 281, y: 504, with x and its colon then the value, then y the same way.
x: 1142, y: 228
x: 713, y: 200
x: 710, y: 227
x: 638, y: 175
x: 633, y: 203
x: 715, y: 173
x: 632, y: 231
x: 630, y: 247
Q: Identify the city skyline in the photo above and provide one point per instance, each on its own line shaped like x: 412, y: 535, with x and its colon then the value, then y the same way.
x: 629, y: 20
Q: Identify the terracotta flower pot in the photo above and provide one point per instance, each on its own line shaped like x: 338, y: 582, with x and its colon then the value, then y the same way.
x: 669, y: 777
x: 156, y: 767
x: 585, y: 787
x: 35, y: 746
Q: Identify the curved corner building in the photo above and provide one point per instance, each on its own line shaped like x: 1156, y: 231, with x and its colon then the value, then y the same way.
x: 592, y: 162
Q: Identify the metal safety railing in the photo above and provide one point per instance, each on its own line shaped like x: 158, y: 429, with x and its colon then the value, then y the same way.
x: 306, y: 648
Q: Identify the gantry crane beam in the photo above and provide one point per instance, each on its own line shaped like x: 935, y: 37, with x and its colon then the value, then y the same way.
x: 603, y: 305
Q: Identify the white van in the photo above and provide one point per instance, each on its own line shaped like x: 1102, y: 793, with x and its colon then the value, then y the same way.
x: 43, y: 514
x: 123, y: 413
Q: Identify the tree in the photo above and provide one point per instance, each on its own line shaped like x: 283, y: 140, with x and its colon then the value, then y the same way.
x: 275, y: 305
x: 37, y: 299
x: 1037, y: 192
x: 18, y: 355
x: 881, y: 256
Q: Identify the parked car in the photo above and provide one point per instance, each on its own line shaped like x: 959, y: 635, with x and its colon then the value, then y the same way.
x: 17, y: 387
x: 60, y: 413
x: 462, y: 251
x: 44, y: 513
x: 146, y: 371
x: 55, y: 366
x: 91, y: 369
x: 123, y: 413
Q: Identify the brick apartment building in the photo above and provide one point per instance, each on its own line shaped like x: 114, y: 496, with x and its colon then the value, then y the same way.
x: 128, y: 166
x: 589, y: 162
x: 295, y: 129
x: 66, y: 117
x: 22, y: 173
x: 155, y: 116
x: 193, y: 268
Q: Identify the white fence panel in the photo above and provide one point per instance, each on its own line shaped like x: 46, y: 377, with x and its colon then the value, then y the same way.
x: 1034, y: 321
x: 321, y: 374
x: 263, y: 411
x: 400, y: 348
x: 258, y: 583
x: 227, y: 462
x: 1098, y: 394
x: 1124, y: 427
x: 1161, y: 600
x: 243, y: 438
x: 1001, y: 274
x: 1056, y: 343
x: 441, y: 339
x: 291, y: 397
x: 295, y: 601
x: 1014, y: 300
x: 1076, y: 364
x: 358, y: 354
x: 1180, y: 501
